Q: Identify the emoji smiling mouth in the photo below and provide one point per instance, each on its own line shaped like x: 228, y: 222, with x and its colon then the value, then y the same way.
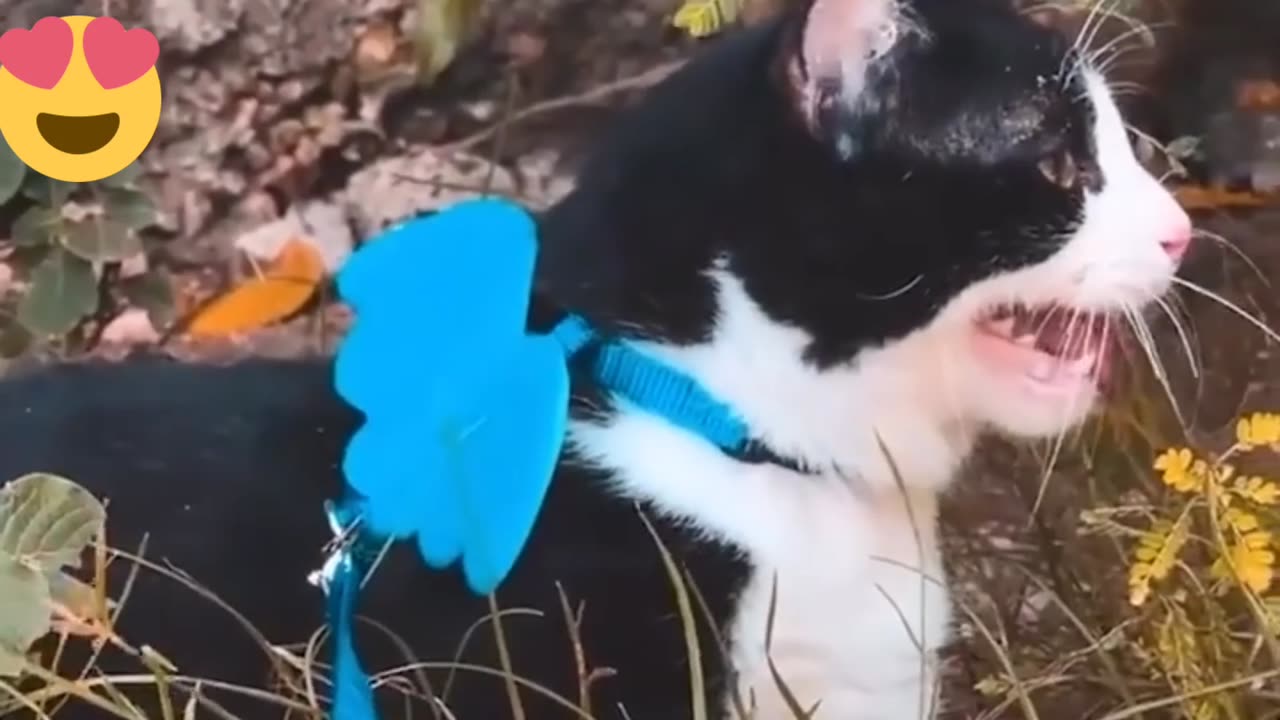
x: 77, y: 134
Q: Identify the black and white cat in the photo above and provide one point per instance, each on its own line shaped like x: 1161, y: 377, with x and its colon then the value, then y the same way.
x: 874, y: 228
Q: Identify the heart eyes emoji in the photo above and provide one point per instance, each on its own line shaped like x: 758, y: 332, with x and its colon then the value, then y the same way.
x: 117, y: 57
x: 39, y: 57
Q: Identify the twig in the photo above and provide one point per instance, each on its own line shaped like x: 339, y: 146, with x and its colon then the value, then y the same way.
x: 596, y: 94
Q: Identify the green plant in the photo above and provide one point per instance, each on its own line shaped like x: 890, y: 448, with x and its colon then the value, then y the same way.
x: 46, y: 522
x: 68, y: 243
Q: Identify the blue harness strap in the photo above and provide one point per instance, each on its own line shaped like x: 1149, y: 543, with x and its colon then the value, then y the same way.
x: 470, y: 493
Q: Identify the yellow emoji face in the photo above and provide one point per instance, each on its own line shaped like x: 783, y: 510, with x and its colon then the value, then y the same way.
x: 79, y: 96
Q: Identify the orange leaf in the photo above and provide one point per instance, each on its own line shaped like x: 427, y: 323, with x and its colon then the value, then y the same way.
x: 1197, y: 197
x: 285, y: 286
x: 1258, y: 95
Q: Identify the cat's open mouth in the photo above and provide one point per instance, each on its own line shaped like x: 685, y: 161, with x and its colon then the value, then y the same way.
x: 1057, y: 348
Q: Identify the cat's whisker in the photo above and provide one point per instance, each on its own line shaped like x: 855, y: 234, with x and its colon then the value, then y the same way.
x: 1178, y: 305
x: 1211, y: 295
x: 1096, y: 14
x: 1099, y: 13
x: 1126, y: 88
x: 1113, y: 45
x: 1111, y: 13
x: 1068, y: 411
x: 1077, y: 43
x: 1192, y: 359
x: 1239, y: 252
x: 1144, y: 135
x: 1117, y: 60
x: 1145, y: 340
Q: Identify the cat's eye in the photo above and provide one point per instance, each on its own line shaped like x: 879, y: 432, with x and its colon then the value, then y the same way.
x: 1061, y: 170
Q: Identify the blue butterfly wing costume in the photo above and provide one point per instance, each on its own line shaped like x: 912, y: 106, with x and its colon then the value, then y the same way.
x: 452, y: 387
x: 465, y: 410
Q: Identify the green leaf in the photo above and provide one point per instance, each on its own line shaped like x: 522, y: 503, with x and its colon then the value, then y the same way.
x: 153, y: 292
x: 63, y: 290
x: 102, y: 239
x: 12, y: 171
x: 47, y: 191
x: 37, y: 226
x: 131, y: 208
x: 47, y: 520
x: 443, y: 25
x: 24, y: 613
x: 126, y: 178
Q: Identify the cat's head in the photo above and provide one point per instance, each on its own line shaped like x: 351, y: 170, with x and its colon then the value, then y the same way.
x: 995, y: 212
x: 908, y: 213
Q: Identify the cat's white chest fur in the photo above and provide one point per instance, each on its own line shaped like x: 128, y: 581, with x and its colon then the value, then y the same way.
x: 858, y: 574
x: 850, y: 574
x: 851, y: 621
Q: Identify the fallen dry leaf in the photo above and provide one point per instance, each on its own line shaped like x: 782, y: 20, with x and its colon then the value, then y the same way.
x: 377, y: 52
x: 1258, y: 95
x: 377, y: 45
x: 284, y: 287
x: 1200, y: 197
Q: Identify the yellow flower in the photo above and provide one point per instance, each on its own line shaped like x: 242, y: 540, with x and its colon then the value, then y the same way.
x: 1155, y: 556
x: 1176, y: 467
x: 1242, y: 521
x: 1258, y: 429
x: 1263, y: 492
x: 1253, y: 561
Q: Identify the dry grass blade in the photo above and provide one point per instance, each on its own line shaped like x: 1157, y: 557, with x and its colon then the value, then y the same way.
x: 922, y: 641
x: 504, y: 657
x: 466, y: 639
x: 493, y: 672
x: 697, y: 683
x: 1146, y: 707
x: 788, y: 697
x: 1002, y: 654
x: 735, y: 692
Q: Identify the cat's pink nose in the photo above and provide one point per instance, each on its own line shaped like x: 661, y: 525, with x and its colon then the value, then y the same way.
x: 1177, y: 239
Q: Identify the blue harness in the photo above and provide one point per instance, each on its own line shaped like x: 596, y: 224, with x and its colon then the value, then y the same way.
x: 461, y: 436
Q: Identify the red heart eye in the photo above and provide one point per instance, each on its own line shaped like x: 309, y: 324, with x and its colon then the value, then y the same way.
x: 117, y: 57
x: 39, y: 56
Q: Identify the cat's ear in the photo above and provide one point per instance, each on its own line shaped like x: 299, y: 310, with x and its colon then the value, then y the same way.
x: 839, y: 46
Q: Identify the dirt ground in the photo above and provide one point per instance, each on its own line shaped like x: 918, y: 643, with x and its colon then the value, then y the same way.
x: 275, y: 106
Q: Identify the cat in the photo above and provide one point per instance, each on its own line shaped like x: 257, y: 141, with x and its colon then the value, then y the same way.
x: 876, y: 229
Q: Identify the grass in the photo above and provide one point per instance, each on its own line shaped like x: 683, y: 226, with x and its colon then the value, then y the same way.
x: 1144, y: 585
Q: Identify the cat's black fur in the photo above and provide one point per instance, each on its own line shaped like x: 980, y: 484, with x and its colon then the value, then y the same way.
x: 226, y: 469
x: 716, y: 163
